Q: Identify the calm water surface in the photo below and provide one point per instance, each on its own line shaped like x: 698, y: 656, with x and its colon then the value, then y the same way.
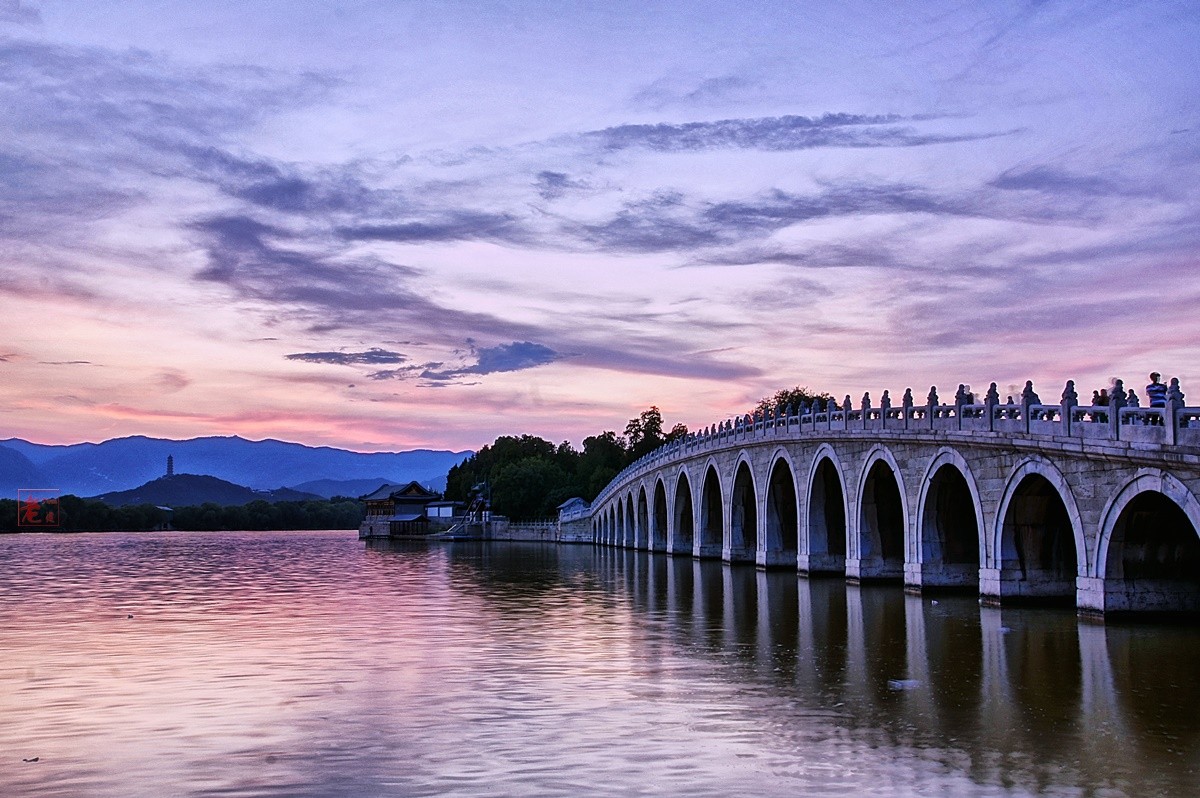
x: 307, y: 664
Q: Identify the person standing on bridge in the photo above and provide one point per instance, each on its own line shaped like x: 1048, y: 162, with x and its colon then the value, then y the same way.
x: 1156, y: 392
x: 1100, y: 399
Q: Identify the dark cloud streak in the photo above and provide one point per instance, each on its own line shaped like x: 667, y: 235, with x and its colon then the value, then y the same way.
x: 374, y: 356
x: 454, y: 225
x: 781, y: 133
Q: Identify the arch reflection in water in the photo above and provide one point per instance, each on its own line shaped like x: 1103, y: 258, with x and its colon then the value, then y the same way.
x: 1015, y: 698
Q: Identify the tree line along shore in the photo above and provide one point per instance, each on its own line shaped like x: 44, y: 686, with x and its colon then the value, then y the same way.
x: 90, y: 515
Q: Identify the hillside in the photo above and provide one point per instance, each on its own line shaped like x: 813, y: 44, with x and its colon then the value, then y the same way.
x: 121, y: 464
x: 353, y: 488
x: 193, y: 489
x: 18, y: 471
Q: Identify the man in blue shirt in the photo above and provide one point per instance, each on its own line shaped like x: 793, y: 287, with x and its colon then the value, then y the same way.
x: 1156, y: 392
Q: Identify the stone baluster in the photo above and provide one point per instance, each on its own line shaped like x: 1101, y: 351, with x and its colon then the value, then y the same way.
x: 866, y: 409
x: 931, y: 403
x: 885, y: 407
x: 1116, y: 400
x: 906, y: 402
x: 1029, y: 398
x: 1174, y: 394
x: 1070, y: 400
x: 960, y: 399
x: 990, y: 400
x: 1171, y: 410
x: 846, y: 408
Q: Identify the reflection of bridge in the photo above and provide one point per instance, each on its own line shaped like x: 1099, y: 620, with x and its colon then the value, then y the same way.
x: 1026, y: 699
x: 1091, y: 505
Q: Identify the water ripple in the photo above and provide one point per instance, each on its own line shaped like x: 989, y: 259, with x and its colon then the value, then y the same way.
x: 305, y: 664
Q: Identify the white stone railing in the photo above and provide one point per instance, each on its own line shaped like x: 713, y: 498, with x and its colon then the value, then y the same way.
x: 572, y: 515
x: 1172, y: 425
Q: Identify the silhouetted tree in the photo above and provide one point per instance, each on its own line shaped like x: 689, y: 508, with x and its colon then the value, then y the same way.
x: 796, y: 397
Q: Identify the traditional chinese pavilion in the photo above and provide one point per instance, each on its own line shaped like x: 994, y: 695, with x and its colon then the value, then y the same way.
x: 393, y: 510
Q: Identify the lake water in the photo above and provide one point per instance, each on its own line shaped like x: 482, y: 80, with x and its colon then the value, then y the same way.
x: 309, y: 664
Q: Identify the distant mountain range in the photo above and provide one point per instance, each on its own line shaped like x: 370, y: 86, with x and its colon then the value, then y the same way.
x: 90, y: 469
x: 182, y: 490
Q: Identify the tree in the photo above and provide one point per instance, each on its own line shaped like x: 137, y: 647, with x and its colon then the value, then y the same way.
x: 530, y: 477
x: 645, y: 433
x: 525, y: 489
x: 605, y: 449
x: 796, y: 397
x: 603, y: 457
x: 678, y: 432
x: 484, y: 465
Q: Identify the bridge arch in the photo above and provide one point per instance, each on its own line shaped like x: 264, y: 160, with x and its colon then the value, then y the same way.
x: 627, y: 502
x: 743, y: 514
x: 881, y: 531
x: 712, y: 513
x: 623, y: 522
x: 659, y: 520
x: 683, y: 516
x: 631, y: 526
x: 950, y: 543
x: 1038, y: 546
x: 781, y: 512
x: 823, y: 528
x: 1148, y: 552
x: 643, y: 520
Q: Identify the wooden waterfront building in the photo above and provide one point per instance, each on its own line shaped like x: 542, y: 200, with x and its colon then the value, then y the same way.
x: 403, y: 509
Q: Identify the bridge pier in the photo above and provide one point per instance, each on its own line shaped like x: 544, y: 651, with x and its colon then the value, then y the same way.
x: 989, y: 587
x: 778, y: 558
x: 1089, y: 595
x: 679, y: 547
x: 924, y: 576
x: 873, y: 569
x: 738, y: 554
x: 821, y: 564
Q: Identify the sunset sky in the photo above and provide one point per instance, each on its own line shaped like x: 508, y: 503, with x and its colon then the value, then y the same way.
x: 390, y: 225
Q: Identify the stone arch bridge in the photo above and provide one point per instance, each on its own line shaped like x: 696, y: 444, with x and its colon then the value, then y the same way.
x: 1093, y: 506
